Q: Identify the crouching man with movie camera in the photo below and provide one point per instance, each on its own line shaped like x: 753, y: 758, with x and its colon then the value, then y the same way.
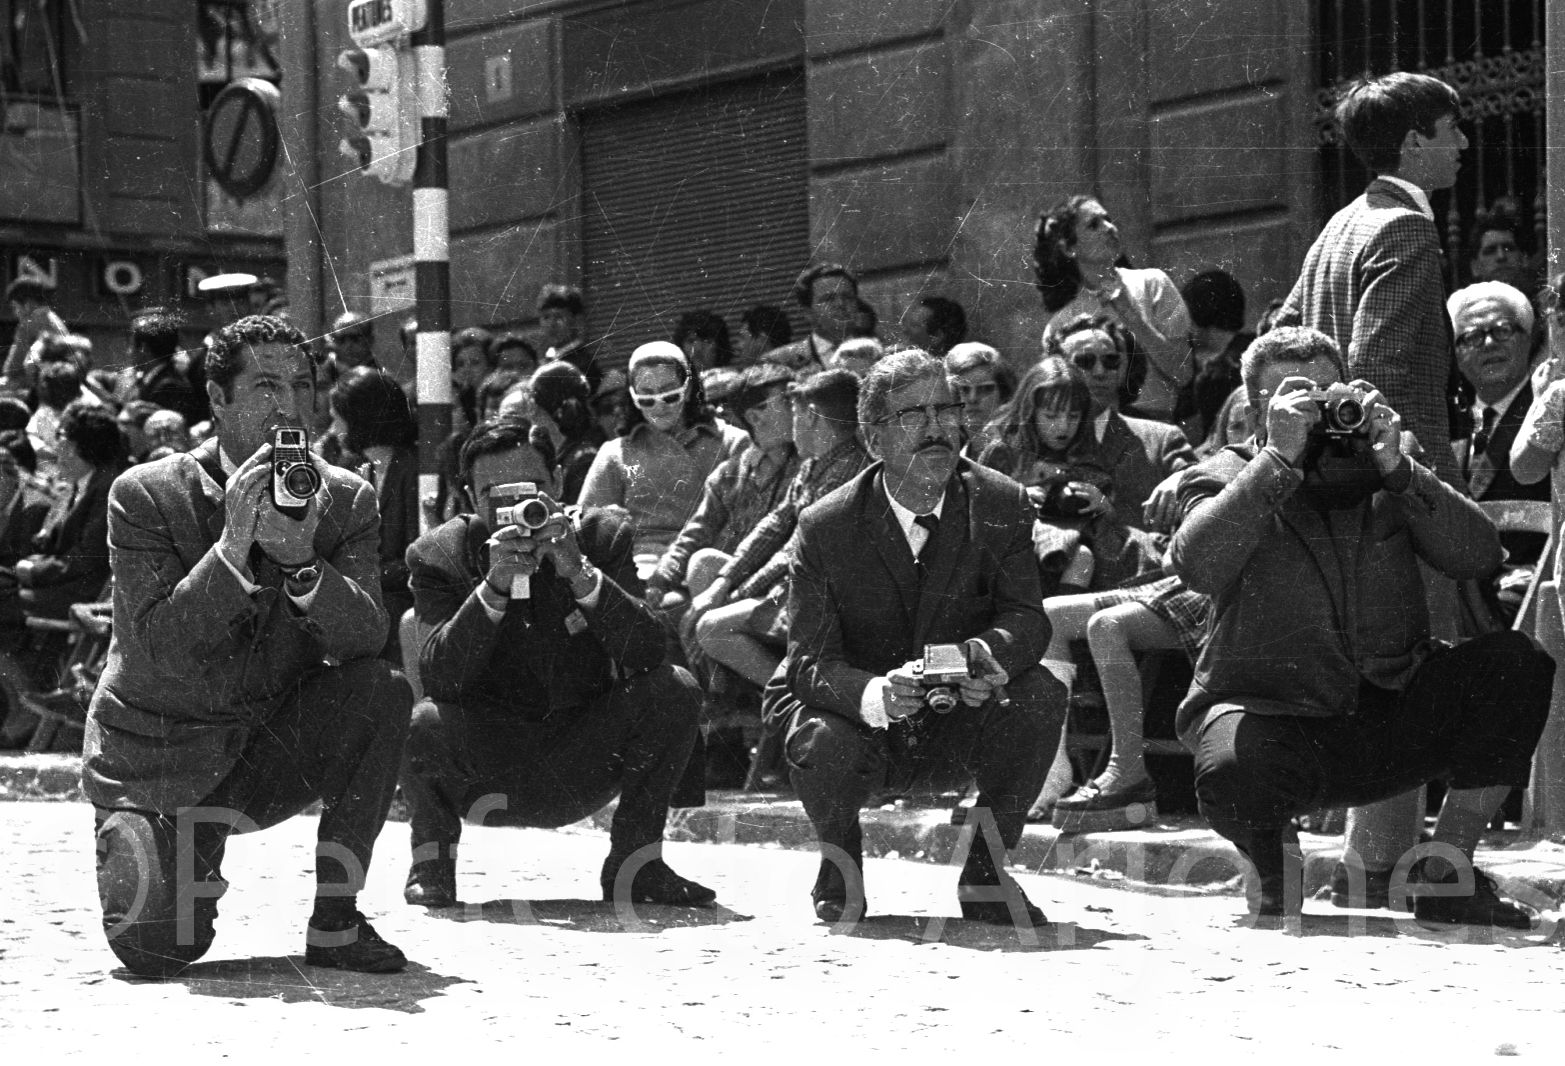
x: 242, y: 682
x: 1319, y: 685
x: 547, y: 693
x: 917, y: 627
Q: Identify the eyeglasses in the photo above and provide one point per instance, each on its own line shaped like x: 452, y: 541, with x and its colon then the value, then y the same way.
x: 911, y: 418
x: 1499, y: 334
x: 648, y: 400
x: 1107, y: 360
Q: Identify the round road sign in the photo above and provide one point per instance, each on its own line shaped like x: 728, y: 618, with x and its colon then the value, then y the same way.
x: 242, y: 137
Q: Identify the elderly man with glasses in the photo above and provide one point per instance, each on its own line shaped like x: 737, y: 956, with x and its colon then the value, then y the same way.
x: 922, y: 557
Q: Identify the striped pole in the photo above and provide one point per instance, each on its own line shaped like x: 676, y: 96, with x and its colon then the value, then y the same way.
x: 432, y: 252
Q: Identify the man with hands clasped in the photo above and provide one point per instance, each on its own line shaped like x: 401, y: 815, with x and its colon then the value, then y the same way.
x: 1319, y: 685
x: 544, y: 699
x: 242, y: 682
x: 922, y: 556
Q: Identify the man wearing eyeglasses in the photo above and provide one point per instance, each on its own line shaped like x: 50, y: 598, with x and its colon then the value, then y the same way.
x: 923, y: 548
x: 1492, y: 322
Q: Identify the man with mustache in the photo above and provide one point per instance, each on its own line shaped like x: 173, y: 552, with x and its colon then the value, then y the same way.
x: 922, y: 548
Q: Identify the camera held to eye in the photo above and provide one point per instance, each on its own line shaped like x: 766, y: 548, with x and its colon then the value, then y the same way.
x: 1344, y: 410
x: 941, y: 672
x: 295, y: 481
x: 517, y: 504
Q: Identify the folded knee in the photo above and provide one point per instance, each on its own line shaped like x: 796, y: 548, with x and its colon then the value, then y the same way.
x: 156, y: 948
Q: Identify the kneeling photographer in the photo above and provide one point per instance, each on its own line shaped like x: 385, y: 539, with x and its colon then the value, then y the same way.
x: 547, y: 693
x: 914, y: 591
x: 1320, y: 685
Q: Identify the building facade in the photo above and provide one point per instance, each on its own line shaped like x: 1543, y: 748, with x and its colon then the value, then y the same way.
x: 103, y: 189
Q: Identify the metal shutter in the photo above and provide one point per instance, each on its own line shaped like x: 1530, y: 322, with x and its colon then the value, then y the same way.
x: 693, y: 200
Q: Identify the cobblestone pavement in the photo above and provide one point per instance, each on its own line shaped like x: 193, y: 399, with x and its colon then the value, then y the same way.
x: 541, y: 968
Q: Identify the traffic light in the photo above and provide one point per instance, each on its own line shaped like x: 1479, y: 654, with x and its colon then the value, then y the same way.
x: 382, y: 108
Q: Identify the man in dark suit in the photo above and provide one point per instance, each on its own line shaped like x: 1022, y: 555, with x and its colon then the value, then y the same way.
x: 1373, y: 283
x: 829, y: 294
x: 1492, y: 322
x: 154, y: 340
x: 241, y: 684
x: 540, y: 709
x: 1319, y: 684
x: 921, y: 548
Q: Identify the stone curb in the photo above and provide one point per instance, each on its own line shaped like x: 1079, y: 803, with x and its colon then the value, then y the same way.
x: 1177, y: 856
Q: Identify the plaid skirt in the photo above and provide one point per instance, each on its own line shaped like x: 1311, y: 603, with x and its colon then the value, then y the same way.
x: 1187, y: 612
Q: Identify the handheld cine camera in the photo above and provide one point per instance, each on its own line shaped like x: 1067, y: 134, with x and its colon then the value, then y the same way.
x: 940, y: 671
x: 295, y: 481
x: 517, y: 504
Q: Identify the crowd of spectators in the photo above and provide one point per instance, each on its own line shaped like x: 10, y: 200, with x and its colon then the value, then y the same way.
x: 698, y: 458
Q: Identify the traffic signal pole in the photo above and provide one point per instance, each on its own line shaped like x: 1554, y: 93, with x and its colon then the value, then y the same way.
x: 432, y: 250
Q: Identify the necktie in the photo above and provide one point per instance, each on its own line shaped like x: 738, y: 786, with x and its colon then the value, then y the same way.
x: 1483, y: 433
x: 930, y: 523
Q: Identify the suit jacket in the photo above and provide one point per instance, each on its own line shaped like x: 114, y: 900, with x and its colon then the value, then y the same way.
x: 197, y: 664
x: 1137, y: 453
x: 1489, y: 475
x: 855, y: 606
x: 1373, y: 282
x: 21, y: 520
x: 529, y: 663
x: 1307, y: 603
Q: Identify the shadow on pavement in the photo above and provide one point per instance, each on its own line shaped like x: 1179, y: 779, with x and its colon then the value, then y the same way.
x: 286, y: 979
x: 981, y: 936
x: 590, y: 916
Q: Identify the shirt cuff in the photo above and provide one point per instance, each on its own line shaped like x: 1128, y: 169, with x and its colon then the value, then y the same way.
x: 872, y: 705
x: 590, y: 600
x: 487, y: 597
x: 303, y: 600
x: 250, y: 587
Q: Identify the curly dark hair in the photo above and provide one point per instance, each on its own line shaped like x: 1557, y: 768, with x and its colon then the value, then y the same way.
x: 91, y: 428
x: 708, y: 326
x: 58, y: 384
x: 375, y: 409
x: 503, y: 435
x: 224, y: 358
x: 562, y: 392
x: 1058, y: 277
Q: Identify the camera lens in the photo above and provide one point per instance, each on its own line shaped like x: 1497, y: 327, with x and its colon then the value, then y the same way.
x: 1347, y: 414
x: 531, y: 514
x: 941, y: 699
x: 302, y: 481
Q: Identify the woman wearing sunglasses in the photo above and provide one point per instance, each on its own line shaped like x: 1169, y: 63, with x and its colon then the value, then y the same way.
x: 672, y: 440
x: 1082, y: 269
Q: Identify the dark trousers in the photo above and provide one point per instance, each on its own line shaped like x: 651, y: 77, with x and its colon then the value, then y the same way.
x: 505, y: 770
x: 338, y: 740
x: 1471, y: 716
x: 837, y: 765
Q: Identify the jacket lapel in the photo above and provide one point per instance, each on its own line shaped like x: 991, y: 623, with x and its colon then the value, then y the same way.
x: 1116, y: 439
x: 209, y: 488
x: 1484, y: 470
x: 890, y: 544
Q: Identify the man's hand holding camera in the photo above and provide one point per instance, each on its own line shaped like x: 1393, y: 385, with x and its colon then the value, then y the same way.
x: 914, y: 685
x: 252, y: 517
x: 1358, y: 410
x: 519, y: 548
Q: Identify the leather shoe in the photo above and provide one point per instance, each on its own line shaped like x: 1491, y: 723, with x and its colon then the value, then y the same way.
x: 431, y: 883
x: 1483, y: 907
x: 657, y: 883
x: 832, y: 911
x: 355, y: 946
x: 991, y: 901
x: 1093, y: 809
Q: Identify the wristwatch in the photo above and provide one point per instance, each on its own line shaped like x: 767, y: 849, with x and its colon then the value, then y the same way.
x: 305, y: 574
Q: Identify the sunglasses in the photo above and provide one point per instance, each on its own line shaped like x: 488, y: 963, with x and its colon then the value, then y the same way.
x: 1086, y: 360
x: 647, y: 400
